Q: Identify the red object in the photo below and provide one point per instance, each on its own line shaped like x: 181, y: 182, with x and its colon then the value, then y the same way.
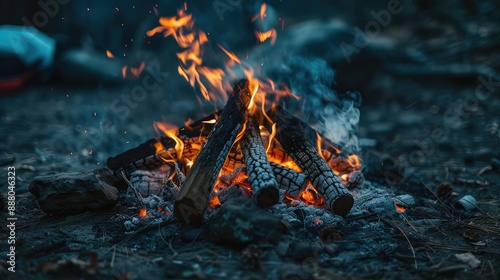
x: 15, y: 82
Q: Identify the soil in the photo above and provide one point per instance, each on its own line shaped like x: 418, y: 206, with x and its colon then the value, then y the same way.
x: 417, y: 135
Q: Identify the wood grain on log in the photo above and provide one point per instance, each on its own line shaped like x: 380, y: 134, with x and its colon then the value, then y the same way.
x: 194, y: 195
x: 260, y: 174
x: 292, y: 138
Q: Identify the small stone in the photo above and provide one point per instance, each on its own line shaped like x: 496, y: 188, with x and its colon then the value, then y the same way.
x: 467, y: 203
x: 76, y: 192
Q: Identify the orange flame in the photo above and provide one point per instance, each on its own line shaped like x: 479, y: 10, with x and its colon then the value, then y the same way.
x: 172, y: 132
x: 181, y: 28
x: 135, y: 71
x: 261, y: 14
x: 271, y: 137
x: 231, y: 55
x: 109, y: 54
x: 263, y: 36
x: 354, y: 161
x: 241, y: 133
x: 319, y: 140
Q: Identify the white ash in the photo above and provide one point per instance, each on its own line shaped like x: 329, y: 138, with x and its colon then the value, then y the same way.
x: 373, y: 199
x: 310, y: 217
x: 170, y: 191
x: 132, y: 223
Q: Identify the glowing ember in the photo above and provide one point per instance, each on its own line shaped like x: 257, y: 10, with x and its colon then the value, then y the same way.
x: 344, y: 177
x: 109, y: 54
x: 310, y: 196
x: 142, y: 212
x: 399, y: 207
x: 212, y: 121
x: 124, y: 71
x: 214, y: 202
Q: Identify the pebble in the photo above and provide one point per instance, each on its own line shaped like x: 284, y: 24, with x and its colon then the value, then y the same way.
x: 468, y: 203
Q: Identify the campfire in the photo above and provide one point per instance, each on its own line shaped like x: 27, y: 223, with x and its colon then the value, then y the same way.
x: 242, y: 152
x: 254, y: 147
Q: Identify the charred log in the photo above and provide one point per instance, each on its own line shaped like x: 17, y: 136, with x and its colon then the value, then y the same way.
x: 194, y: 195
x: 233, y: 191
x: 264, y: 186
x: 145, y: 155
x: 292, y: 137
x: 291, y: 181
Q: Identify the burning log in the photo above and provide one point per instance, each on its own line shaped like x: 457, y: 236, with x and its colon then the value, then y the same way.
x: 264, y: 186
x: 145, y: 155
x: 194, y: 195
x: 291, y: 135
x: 291, y: 181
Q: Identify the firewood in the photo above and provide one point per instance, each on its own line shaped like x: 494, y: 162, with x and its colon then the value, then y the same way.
x: 291, y: 181
x: 233, y: 191
x: 260, y: 174
x: 145, y: 154
x: 292, y: 137
x: 194, y: 196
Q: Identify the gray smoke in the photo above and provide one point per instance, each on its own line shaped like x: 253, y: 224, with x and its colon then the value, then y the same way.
x: 334, y: 115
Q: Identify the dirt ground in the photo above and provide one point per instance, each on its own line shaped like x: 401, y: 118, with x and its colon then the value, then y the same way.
x: 433, y: 134
x: 431, y: 131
